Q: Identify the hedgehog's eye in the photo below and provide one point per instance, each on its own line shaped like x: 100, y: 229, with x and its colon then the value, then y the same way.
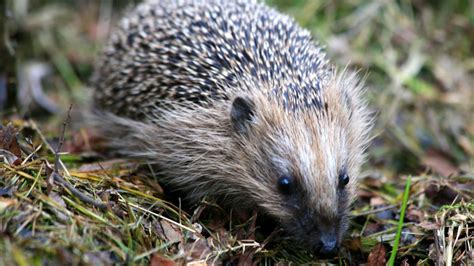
x: 343, y: 179
x: 286, y: 184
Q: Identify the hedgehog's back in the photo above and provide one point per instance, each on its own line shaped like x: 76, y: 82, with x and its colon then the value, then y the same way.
x: 201, y: 51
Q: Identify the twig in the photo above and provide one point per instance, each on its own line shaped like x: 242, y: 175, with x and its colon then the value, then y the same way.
x: 55, y: 176
x: 61, y: 139
x: 57, y: 151
x: 48, y: 145
x: 83, y: 197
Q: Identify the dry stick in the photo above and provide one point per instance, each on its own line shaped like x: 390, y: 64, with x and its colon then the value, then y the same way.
x: 57, y: 151
x: 61, y: 140
x: 58, y: 178
x: 83, y: 197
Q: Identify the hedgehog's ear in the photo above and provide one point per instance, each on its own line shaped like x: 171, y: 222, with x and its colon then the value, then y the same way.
x: 241, y: 114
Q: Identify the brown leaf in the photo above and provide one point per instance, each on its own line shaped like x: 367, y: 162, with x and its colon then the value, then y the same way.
x: 373, y: 182
x: 377, y: 255
x: 354, y: 244
x: 197, y: 250
x: 365, y: 194
x: 80, y: 141
x: 169, y: 232
x: 441, y: 195
x: 372, y: 228
x: 414, y: 214
x: 5, y: 203
x: 9, y: 142
x: 429, y: 225
x: 439, y: 163
x: 376, y: 201
x: 158, y: 260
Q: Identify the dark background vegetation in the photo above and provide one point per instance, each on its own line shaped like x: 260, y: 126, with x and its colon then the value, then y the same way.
x: 417, y: 56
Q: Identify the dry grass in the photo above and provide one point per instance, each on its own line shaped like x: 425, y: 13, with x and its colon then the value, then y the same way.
x: 418, y: 56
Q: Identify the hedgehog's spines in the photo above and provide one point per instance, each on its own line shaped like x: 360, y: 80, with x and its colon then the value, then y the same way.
x: 226, y: 97
x: 204, y: 49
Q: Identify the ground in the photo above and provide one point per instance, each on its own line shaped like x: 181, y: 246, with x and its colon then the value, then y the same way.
x: 415, y: 202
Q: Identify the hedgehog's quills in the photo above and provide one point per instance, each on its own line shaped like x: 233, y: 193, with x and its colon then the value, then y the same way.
x: 233, y: 99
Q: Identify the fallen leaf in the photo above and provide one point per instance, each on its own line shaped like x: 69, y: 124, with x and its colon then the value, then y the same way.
x: 377, y: 255
x: 365, y: 194
x: 9, y: 143
x: 372, y: 228
x: 374, y: 182
x: 169, y: 232
x: 353, y: 244
x: 441, y: 195
x: 376, y: 201
x: 197, y: 250
x: 439, y: 163
x: 8, y: 140
x: 79, y: 142
x: 414, y: 214
x: 429, y: 225
x: 5, y: 203
x: 159, y: 260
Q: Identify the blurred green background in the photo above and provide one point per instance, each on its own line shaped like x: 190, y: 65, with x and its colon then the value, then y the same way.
x: 417, y: 57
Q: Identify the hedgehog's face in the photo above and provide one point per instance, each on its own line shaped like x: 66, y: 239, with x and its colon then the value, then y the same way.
x: 316, y: 183
x: 306, y: 167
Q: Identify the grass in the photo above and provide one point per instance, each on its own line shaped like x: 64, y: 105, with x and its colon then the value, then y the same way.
x: 406, y: 194
x: 417, y: 56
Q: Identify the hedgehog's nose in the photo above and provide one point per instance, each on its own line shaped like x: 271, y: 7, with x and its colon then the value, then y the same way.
x: 328, y: 244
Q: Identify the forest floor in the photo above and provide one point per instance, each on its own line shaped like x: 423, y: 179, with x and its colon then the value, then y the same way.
x: 76, y: 206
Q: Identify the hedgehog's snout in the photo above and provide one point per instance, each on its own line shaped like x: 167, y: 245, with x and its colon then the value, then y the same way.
x: 321, y: 236
x: 327, y: 244
x: 323, y: 242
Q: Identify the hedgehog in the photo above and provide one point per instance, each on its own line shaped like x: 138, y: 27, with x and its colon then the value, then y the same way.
x: 234, y: 101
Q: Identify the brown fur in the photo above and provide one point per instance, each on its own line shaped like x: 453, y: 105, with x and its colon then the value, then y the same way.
x: 198, y: 150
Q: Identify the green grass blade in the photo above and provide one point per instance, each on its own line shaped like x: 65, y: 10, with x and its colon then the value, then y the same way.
x: 406, y: 193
